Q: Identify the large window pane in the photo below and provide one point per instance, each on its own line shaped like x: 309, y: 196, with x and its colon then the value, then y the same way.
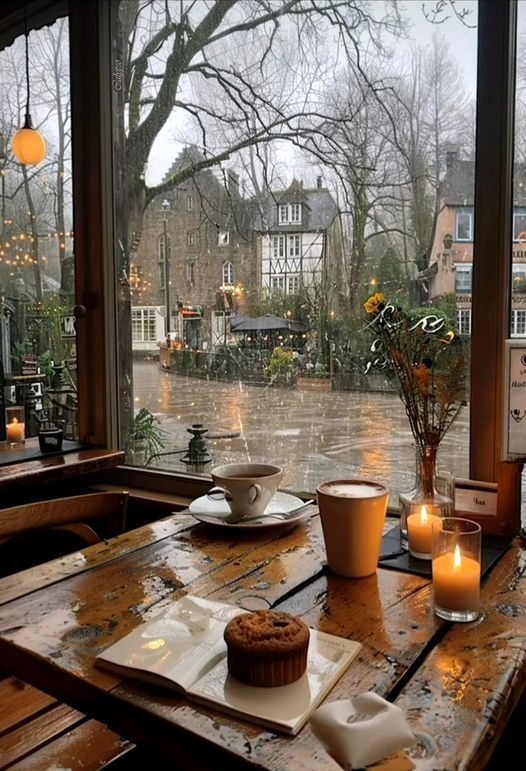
x: 37, y: 327
x: 308, y: 191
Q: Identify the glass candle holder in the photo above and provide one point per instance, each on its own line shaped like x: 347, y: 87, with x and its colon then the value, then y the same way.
x: 423, y: 506
x: 456, y: 569
x: 15, y: 425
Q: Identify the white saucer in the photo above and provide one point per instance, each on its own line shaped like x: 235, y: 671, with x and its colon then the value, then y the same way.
x: 214, y: 512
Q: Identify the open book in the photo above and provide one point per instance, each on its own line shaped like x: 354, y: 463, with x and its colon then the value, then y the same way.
x: 183, y: 649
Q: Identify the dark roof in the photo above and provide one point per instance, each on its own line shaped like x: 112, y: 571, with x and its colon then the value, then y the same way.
x: 319, y: 210
x: 458, y: 186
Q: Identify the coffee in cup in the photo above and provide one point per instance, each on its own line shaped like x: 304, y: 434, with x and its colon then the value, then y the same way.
x: 352, y: 513
x: 247, y: 487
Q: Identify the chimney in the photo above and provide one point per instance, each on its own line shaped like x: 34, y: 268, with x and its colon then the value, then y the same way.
x: 233, y: 184
x: 318, y: 182
x: 452, y: 153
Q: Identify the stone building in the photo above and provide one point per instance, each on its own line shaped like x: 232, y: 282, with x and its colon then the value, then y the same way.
x: 222, y: 250
x: 211, y: 253
x: 451, y: 266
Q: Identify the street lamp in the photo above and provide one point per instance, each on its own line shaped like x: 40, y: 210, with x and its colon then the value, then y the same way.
x: 165, y: 205
x: 3, y: 157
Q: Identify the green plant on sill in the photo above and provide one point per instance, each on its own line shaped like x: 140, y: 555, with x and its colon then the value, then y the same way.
x: 146, y: 433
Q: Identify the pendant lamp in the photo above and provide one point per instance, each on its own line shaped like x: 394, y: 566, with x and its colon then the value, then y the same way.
x: 29, y: 146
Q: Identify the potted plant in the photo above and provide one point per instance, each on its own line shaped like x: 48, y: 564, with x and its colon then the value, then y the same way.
x: 145, y: 436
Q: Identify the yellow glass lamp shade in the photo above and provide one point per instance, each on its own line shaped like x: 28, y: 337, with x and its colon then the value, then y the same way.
x: 29, y: 146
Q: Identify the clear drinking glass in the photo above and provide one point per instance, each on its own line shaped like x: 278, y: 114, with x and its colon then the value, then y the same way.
x: 456, y: 547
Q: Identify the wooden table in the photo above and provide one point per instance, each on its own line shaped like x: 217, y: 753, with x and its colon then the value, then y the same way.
x: 458, y: 684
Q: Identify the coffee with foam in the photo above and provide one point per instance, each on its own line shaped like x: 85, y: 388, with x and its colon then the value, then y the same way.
x: 353, y: 489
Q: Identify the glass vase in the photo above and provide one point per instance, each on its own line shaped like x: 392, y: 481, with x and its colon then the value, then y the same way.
x: 421, y: 507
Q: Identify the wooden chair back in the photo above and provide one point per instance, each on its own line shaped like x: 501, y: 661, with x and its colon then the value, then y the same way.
x: 72, y: 514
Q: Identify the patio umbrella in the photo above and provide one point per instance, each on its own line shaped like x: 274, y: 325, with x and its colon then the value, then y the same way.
x: 264, y: 324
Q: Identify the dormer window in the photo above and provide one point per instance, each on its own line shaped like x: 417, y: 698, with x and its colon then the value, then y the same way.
x: 289, y: 214
x: 223, y: 238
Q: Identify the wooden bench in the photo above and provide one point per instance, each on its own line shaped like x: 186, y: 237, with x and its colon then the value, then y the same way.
x: 38, y: 733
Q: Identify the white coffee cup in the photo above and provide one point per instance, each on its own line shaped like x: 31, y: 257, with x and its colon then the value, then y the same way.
x: 352, y: 513
x: 247, y: 487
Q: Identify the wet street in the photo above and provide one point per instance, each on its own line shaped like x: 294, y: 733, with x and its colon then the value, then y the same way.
x: 314, y: 436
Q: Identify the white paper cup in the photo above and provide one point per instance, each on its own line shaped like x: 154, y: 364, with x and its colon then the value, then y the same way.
x: 352, y: 513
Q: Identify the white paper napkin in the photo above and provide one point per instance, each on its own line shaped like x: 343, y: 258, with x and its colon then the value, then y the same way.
x: 361, y: 731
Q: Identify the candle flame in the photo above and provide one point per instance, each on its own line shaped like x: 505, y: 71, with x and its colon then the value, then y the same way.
x: 15, y: 420
x: 456, y: 558
x: 424, y: 514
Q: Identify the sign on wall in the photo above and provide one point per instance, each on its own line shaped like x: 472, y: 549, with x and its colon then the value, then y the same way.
x: 515, y: 413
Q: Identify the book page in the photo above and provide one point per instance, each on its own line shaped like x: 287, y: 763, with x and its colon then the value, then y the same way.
x: 284, y: 708
x: 177, y: 647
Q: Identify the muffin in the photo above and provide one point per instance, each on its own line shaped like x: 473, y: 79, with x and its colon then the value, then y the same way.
x: 267, y: 648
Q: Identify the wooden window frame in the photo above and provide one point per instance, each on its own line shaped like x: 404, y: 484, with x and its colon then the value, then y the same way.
x: 91, y: 82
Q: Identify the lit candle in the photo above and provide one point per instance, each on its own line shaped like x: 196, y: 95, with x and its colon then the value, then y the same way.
x: 15, y: 431
x: 419, y: 528
x: 456, y: 581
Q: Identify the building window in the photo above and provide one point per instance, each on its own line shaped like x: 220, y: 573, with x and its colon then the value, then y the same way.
x: 464, y: 321
x: 295, y: 213
x: 463, y: 279
x: 228, y: 274
x: 277, y: 283
x: 166, y: 204
x: 190, y: 239
x: 464, y: 225
x: 293, y: 284
x: 223, y: 238
x: 143, y: 325
x: 279, y: 246
x: 519, y: 225
x: 191, y: 273
x: 294, y: 246
x: 518, y: 323
x: 283, y: 214
x: 189, y: 203
x: 519, y: 279
x: 289, y: 214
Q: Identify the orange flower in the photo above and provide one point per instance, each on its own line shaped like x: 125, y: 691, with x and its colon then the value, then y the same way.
x: 373, y: 303
x: 422, y: 376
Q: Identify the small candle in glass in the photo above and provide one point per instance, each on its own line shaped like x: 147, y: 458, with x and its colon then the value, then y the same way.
x: 15, y: 425
x: 419, y: 529
x: 456, y: 547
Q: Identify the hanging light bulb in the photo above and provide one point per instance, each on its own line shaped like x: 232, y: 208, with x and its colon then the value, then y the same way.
x: 29, y: 146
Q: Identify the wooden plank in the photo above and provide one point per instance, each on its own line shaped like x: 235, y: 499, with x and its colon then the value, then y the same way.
x: 389, y: 613
x: 19, y: 701
x: 462, y: 697
x: 27, y: 581
x: 88, y: 746
x: 65, y: 624
x: 20, y: 742
x: 58, y: 467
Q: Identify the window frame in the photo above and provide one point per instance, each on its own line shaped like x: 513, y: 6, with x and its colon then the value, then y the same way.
x: 465, y: 211
x: 463, y: 269
x: 228, y: 273
x: 97, y: 285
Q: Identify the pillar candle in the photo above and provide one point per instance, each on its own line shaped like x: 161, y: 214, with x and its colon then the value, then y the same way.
x: 456, y: 581
x: 15, y: 431
x: 419, y: 528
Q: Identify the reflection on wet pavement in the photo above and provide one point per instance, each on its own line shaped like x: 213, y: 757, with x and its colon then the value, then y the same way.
x: 314, y: 436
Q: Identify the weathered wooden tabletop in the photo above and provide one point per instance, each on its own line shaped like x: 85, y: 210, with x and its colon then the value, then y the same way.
x: 458, y: 684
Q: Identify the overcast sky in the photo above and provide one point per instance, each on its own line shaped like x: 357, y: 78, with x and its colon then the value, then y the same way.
x: 462, y: 40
